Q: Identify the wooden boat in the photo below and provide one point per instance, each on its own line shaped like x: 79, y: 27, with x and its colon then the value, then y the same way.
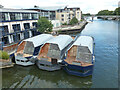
x: 29, y: 48
x: 52, y: 52
x: 80, y: 58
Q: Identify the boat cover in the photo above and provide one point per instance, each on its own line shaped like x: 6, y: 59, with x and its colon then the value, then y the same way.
x: 39, y: 39
x: 62, y: 41
x: 84, y: 41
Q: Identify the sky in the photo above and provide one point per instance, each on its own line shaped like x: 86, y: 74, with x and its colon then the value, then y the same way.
x: 86, y: 6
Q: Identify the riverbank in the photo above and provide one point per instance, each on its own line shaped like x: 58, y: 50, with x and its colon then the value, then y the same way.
x: 67, y: 29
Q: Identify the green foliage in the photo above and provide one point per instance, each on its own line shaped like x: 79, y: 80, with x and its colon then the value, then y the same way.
x: 88, y: 14
x: 73, y: 21
x: 107, y: 12
x: 4, y: 55
x: 65, y: 23
x: 44, y: 25
x: 81, y: 20
x: 117, y: 11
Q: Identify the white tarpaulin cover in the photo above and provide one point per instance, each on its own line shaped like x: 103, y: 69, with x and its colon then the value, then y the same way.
x: 62, y: 41
x: 40, y: 39
x: 85, y: 41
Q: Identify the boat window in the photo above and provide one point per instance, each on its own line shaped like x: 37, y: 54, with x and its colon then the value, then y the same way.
x: 54, y: 51
x: 22, y: 61
x: 29, y: 48
x: 42, y: 64
x: 54, y: 61
x: 26, y: 60
x: 18, y: 60
x: 48, y: 65
x: 83, y: 54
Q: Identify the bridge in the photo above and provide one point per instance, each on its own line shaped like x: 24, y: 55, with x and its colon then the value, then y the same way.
x: 109, y: 17
x: 102, y: 17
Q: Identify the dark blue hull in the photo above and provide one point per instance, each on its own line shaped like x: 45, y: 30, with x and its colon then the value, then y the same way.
x: 78, y: 70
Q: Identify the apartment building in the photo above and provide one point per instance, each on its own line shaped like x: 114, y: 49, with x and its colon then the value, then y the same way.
x: 66, y: 14
x: 49, y: 13
x: 17, y: 24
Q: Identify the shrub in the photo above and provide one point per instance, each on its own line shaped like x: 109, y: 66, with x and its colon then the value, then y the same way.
x: 73, y: 21
x: 44, y: 25
x: 4, y: 55
x: 65, y: 23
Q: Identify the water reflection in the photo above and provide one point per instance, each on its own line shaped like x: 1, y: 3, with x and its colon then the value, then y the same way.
x: 32, y: 77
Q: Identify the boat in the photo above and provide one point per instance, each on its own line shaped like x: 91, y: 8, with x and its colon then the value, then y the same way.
x: 28, y: 49
x: 79, y: 60
x: 52, y: 53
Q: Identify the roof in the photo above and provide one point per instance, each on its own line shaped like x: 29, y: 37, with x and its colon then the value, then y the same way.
x: 73, y: 7
x: 84, y: 41
x: 16, y: 10
x: 62, y: 41
x: 51, y: 8
x: 40, y: 39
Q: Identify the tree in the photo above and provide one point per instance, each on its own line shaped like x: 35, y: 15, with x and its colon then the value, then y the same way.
x: 44, y: 25
x: 103, y: 12
x: 107, y: 12
x: 117, y: 11
x: 73, y: 21
x: 88, y: 14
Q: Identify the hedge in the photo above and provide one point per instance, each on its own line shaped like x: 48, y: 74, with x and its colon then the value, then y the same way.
x: 4, y: 55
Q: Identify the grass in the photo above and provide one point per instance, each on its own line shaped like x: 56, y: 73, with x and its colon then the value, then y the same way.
x: 4, y: 55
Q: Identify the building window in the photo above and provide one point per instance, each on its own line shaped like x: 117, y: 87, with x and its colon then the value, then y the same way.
x: 26, y: 35
x: 12, y: 16
x: 62, y: 15
x: 4, y: 17
x: 26, y: 25
x: 62, y: 19
x: 4, y: 29
x: 78, y: 14
x: 26, y: 15
x: 34, y: 24
x: 16, y: 27
x: 5, y: 40
x: 17, y: 16
x: 16, y: 37
x: 34, y: 16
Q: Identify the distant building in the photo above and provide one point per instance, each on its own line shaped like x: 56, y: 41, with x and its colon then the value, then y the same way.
x: 61, y: 13
x: 66, y: 14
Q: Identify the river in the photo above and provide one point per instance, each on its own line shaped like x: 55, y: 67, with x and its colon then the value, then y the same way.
x: 105, y: 74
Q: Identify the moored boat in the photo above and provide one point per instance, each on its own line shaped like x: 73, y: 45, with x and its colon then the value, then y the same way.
x: 29, y: 48
x: 80, y: 58
x: 52, y: 52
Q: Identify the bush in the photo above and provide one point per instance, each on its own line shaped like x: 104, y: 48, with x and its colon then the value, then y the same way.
x: 73, y: 21
x: 65, y: 23
x: 44, y: 25
x: 4, y: 55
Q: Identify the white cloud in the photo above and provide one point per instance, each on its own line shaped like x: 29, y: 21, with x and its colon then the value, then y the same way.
x: 87, y: 6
